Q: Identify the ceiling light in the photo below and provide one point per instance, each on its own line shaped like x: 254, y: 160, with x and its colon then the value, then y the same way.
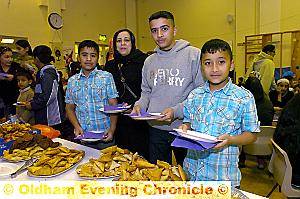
x: 7, y: 41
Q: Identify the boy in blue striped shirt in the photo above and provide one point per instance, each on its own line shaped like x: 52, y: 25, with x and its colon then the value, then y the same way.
x: 88, y: 92
x: 222, y: 109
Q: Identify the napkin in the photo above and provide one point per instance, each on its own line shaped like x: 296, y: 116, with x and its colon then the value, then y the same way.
x: 90, y: 135
x: 187, y: 143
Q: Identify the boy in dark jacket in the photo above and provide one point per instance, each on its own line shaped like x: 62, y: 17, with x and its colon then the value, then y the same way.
x: 47, y: 103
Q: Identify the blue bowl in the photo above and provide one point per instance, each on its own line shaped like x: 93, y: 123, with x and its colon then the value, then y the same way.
x: 5, y: 145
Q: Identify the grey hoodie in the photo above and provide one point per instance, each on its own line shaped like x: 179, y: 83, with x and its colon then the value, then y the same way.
x: 167, y: 79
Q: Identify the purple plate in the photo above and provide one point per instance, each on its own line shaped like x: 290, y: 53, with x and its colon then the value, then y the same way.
x: 91, y: 136
x: 3, y: 75
x: 187, y: 143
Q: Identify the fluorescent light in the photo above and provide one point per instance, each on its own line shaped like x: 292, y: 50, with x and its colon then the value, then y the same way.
x: 7, y: 41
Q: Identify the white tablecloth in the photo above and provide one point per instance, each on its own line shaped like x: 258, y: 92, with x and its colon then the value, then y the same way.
x: 252, y: 195
x: 72, y: 175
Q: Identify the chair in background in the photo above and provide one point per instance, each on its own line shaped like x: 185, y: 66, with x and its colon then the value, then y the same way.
x: 281, y: 169
x: 262, y: 146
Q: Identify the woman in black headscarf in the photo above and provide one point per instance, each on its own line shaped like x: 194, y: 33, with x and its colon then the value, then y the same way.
x: 287, y: 135
x: 265, y: 112
x: 126, y: 68
x: 265, y: 109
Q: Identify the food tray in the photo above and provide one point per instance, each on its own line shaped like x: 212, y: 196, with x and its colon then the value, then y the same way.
x: 97, y: 178
x: 23, y: 160
x: 57, y: 174
x: 16, y: 161
x: 112, y: 178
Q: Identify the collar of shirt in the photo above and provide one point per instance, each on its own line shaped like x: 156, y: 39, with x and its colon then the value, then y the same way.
x: 24, y: 89
x: 92, y: 74
x: 226, y: 89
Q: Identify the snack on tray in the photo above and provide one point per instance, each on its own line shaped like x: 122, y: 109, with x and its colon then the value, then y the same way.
x: 55, y: 161
x: 23, y: 154
x: 13, y: 131
x: 115, y: 161
x: 29, y: 140
x: 28, y: 146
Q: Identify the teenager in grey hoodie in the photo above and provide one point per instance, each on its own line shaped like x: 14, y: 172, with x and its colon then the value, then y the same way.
x: 168, y: 77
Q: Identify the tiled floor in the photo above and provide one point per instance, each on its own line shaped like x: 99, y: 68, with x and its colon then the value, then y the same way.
x: 258, y: 181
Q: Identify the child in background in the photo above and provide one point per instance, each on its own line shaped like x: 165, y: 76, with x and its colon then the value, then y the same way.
x: 222, y: 109
x: 281, y: 95
x: 25, y: 80
x: 47, y: 103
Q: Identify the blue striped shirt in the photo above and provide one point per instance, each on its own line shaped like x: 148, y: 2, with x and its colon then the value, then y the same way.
x: 229, y: 110
x: 89, y: 94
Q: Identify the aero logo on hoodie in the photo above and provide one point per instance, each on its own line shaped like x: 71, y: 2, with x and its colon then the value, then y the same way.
x: 168, y: 76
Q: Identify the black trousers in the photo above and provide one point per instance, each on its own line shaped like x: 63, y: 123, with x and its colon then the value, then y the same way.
x: 132, y: 135
x: 160, y: 147
x: 66, y: 130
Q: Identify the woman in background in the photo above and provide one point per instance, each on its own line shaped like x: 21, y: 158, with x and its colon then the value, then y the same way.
x: 25, y: 58
x: 287, y: 135
x: 265, y: 112
x: 9, y: 90
x: 281, y: 95
x: 265, y: 109
x: 126, y: 68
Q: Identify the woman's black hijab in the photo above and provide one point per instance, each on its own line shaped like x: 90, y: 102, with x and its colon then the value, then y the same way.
x: 117, y: 56
x: 254, y: 86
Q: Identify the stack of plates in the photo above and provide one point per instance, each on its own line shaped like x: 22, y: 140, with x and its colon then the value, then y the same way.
x: 194, y: 135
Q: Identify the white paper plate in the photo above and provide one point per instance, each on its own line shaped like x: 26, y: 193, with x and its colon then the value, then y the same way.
x: 90, y: 140
x: 153, y: 116
x: 194, y: 135
x: 123, y: 108
x: 19, y: 104
x: 7, y: 168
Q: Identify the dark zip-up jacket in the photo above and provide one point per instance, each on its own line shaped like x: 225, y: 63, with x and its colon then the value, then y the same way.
x: 48, y: 103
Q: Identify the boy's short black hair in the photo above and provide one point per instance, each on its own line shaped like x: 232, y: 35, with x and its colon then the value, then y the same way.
x: 24, y: 73
x: 162, y: 14
x: 215, y: 45
x: 89, y: 44
x: 268, y: 48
